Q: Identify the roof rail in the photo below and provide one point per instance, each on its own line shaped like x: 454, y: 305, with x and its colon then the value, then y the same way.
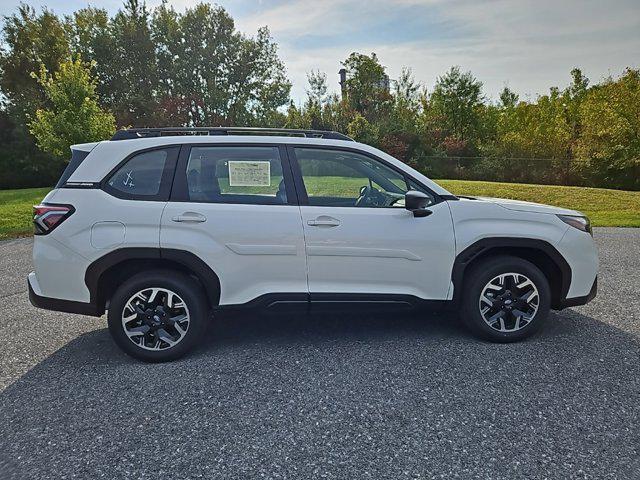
x: 127, y: 134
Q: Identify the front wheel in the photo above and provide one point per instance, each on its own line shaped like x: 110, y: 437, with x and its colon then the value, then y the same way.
x: 158, y: 316
x: 506, y: 299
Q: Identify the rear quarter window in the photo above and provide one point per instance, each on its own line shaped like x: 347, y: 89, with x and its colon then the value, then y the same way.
x: 145, y: 175
x: 141, y: 175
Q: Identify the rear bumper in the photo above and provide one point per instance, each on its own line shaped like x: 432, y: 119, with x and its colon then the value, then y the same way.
x: 59, y: 305
x: 575, y: 301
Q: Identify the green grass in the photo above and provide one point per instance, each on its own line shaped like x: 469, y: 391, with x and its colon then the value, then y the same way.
x: 16, y: 212
x: 606, y: 208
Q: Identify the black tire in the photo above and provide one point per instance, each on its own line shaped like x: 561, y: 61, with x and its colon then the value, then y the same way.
x: 479, y: 275
x: 188, y: 289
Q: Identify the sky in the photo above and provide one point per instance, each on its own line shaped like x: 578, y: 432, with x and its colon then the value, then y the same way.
x: 528, y: 45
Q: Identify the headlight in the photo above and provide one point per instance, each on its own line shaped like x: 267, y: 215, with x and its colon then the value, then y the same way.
x: 581, y: 223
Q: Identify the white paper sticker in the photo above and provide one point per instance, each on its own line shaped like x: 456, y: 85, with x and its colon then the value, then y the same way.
x: 249, y: 174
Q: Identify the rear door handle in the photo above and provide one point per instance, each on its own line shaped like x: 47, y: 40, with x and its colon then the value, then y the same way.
x: 324, y: 221
x: 190, y: 217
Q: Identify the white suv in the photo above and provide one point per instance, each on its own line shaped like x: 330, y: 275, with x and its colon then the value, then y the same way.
x: 161, y: 227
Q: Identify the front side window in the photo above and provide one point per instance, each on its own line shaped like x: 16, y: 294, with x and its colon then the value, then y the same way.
x: 336, y: 178
x: 141, y: 176
x: 235, y: 174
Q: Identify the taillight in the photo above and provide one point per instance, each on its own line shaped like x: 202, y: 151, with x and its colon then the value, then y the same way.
x: 46, y: 217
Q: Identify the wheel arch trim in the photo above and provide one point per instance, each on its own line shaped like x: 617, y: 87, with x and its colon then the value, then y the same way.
x: 485, y: 246
x: 189, y: 261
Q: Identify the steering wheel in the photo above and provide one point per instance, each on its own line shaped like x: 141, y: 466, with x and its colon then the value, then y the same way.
x: 369, y: 196
x: 363, y: 197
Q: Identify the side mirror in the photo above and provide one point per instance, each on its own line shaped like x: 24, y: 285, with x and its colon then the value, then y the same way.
x: 417, y: 202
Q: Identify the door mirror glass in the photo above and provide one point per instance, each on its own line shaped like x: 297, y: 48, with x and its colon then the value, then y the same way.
x: 417, y: 203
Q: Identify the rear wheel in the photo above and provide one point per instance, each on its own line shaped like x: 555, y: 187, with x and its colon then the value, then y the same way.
x: 506, y: 299
x: 157, y: 316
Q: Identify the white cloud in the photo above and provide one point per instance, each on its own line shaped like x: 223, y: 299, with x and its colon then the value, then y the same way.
x: 326, y: 17
x: 297, y: 18
x: 531, y: 45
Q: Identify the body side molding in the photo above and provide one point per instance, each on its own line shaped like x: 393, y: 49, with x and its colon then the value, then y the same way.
x: 246, y: 249
x: 335, y: 301
x: 339, y: 251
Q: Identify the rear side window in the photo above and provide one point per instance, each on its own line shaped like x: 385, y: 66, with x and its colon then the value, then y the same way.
x: 144, y: 176
x: 235, y: 174
x: 77, y: 156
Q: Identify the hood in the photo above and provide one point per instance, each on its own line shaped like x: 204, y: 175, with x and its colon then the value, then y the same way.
x: 521, y: 206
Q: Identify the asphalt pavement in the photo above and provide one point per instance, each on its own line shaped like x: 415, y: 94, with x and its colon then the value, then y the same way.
x: 327, y: 396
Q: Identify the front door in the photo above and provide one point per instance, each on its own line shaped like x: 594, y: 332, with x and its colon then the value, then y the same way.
x: 360, y: 238
x: 234, y: 207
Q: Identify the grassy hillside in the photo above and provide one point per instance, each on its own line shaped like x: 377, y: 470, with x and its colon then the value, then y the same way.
x: 606, y: 208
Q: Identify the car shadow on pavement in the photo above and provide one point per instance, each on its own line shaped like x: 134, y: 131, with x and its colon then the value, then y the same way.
x: 260, y: 385
x: 233, y: 330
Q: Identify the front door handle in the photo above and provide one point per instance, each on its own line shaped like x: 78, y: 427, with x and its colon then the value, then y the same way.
x: 324, y: 221
x: 190, y: 217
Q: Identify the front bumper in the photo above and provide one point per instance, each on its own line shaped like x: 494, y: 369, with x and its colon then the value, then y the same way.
x: 574, y: 302
x: 60, y: 305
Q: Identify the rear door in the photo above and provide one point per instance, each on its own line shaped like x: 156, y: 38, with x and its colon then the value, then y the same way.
x: 234, y: 206
x: 359, y: 237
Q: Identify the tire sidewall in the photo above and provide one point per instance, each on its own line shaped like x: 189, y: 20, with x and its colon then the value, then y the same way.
x: 190, y: 292
x: 481, y: 275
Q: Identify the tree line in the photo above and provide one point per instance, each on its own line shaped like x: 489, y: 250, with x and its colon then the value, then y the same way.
x: 77, y: 78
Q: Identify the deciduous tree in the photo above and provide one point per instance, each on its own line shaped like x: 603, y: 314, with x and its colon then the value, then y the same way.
x: 455, y: 101
x: 367, y: 86
x: 30, y: 40
x: 73, y: 115
x: 610, y: 138
x: 211, y: 73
